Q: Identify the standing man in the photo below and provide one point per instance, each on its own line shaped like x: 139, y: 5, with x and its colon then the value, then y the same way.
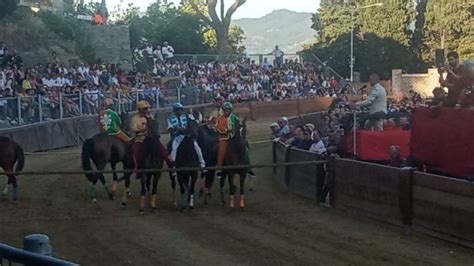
x: 177, y: 125
x: 377, y: 103
x: 110, y: 122
x: 278, y: 54
x: 167, y: 51
x: 453, y: 79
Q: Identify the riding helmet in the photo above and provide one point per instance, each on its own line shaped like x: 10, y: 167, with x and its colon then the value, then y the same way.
x: 227, y: 106
x: 178, y: 106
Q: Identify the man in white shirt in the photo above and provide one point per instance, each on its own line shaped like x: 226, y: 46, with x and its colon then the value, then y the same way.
x: 167, y: 51
x: 318, y: 145
x: 377, y: 102
x: 278, y: 53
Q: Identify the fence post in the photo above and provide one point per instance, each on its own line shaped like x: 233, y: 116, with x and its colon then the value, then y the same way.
x: 80, y: 103
x: 38, y: 243
x: 19, y: 110
x: 137, y: 98
x: 40, y: 108
x: 260, y: 59
x: 61, y: 111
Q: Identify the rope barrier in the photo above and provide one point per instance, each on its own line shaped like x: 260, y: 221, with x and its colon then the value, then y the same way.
x: 78, y: 153
x: 182, y: 169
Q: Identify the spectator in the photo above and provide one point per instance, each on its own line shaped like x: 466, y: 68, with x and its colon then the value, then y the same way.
x: 275, y: 128
x: 284, y: 131
x: 395, y: 156
x: 377, y: 103
x: 278, y: 54
x: 318, y: 145
x: 453, y: 78
x: 439, y: 98
x: 167, y: 51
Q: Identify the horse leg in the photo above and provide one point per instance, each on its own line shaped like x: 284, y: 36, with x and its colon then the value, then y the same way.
x: 143, y: 193
x: 115, y: 181
x: 104, y: 183
x: 5, y: 190
x: 243, y: 176
x: 194, y: 177
x: 93, y: 192
x: 173, y: 178
x: 208, y: 184
x: 13, y: 183
x: 126, y: 192
x: 222, y: 182
x: 181, y: 190
x: 149, y: 177
x: 231, y: 188
x: 156, y: 178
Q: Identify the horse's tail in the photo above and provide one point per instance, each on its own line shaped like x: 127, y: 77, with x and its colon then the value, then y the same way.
x: 20, y: 156
x: 87, y: 149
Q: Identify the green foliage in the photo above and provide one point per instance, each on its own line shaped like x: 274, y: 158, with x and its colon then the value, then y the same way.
x: 70, y: 29
x: 448, y: 25
x: 7, y: 7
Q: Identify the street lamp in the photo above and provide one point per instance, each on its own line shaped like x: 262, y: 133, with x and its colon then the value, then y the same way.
x: 352, y: 60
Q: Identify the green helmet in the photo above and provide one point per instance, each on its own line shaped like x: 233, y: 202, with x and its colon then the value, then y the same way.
x: 227, y: 106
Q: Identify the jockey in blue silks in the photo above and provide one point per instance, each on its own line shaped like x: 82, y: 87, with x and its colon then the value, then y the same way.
x: 177, y: 124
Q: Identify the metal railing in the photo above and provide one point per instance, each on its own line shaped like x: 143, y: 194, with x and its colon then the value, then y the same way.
x: 257, y: 58
x: 25, y: 110
x: 36, y: 251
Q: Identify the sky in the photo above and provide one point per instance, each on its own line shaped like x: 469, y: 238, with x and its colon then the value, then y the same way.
x: 251, y: 9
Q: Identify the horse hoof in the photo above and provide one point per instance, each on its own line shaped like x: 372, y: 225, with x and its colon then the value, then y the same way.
x: 141, y: 212
x: 129, y: 194
x: 155, y: 210
x: 94, y: 200
x: 123, y: 204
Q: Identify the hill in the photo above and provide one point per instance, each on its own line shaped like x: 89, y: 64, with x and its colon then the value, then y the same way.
x: 290, y: 30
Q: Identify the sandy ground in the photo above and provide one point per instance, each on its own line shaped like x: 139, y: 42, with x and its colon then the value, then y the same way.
x: 276, y: 228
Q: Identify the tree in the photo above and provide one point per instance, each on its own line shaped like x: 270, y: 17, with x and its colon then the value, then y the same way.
x: 7, y: 7
x: 448, y: 25
x: 221, y: 25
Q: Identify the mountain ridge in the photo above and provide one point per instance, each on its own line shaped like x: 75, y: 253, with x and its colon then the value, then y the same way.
x: 288, y: 29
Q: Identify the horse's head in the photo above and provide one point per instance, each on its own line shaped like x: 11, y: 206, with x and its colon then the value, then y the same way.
x: 153, y: 128
x: 193, y: 128
x: 241, y: 130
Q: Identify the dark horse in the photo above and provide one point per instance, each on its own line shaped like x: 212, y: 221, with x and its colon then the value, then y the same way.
x: 103, y: 149
x: 236, y: 155
x: 186, y: 157
x: 11, y: 153
x: 151, y: 160
x: 208, y: 141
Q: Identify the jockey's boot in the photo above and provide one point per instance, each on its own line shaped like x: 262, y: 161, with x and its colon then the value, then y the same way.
x: 231, y: 204
x: 242, y: 201
x: 153, y: 202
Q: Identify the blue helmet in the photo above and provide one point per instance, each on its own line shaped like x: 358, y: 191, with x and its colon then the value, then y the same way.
x: 177, y: 107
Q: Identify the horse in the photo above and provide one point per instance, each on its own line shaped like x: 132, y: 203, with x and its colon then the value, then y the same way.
x: 236, y: 154
x: 151, y: 160
x: 11, y: 153
x: 186, y: 157
x: 208, y: 141
x: 103, y: 149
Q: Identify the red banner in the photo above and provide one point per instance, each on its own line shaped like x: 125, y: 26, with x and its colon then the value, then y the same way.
x: 443, y: 139
x: 375, y: 145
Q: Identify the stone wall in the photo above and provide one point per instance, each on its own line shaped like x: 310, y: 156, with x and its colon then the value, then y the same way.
x: 112, y: 44
x: 421, y: 83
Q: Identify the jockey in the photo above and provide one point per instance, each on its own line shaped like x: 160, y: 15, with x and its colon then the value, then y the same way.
x: 177, y: 125
x: 139, y: 126
x: 218, y: 111
x: 110, y: 122
x: 225, y: 125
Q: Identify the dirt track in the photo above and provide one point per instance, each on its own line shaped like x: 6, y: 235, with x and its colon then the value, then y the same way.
x: 275, y: 228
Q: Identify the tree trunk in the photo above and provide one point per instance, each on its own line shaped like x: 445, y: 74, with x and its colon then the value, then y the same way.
x: 222, y: 40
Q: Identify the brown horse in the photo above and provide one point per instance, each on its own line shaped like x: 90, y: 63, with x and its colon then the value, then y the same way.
x: 237, y: 154
x: 103, y: 149
x: 11, y: 153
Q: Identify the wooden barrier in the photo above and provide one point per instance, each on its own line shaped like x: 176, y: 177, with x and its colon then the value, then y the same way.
x: 305, y: 181
x: 444, y: 207
x: 280, y: 155
x: 377, y: 191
